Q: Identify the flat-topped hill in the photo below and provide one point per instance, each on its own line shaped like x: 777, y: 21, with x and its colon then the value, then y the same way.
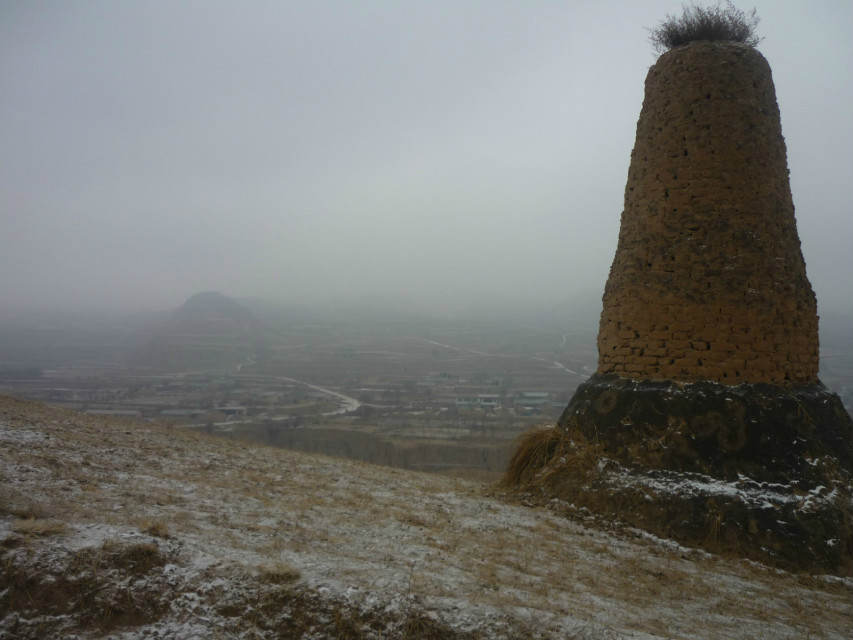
x: 140, y: 531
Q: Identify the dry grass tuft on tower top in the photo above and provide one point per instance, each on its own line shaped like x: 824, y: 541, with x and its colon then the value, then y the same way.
x: 717, y: 23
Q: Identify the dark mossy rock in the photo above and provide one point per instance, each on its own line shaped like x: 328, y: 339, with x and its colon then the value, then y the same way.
x: 769, y: 433
x: 755, y: 470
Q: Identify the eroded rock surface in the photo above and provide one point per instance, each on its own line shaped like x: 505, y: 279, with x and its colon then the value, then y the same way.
x: 757, y: 470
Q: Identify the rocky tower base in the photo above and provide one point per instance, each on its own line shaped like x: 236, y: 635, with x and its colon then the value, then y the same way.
x: 754, y: 470
x: 706, y: 421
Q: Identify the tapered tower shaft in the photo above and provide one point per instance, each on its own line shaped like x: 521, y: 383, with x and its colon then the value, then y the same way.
x: 708, y: 281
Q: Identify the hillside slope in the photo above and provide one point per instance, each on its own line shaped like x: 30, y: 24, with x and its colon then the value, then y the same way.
x: 129, y: 530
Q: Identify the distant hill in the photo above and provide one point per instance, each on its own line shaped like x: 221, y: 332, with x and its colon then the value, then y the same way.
x: 208, y: 330
x: 212, y: 302
x: 214, y: 314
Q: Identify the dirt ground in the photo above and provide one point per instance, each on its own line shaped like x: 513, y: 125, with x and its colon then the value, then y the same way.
x: 126, y: 530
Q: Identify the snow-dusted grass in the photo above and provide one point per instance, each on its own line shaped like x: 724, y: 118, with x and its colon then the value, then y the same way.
x: 129, y: 531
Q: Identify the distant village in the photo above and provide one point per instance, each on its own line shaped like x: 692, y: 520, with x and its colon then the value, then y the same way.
x: 201, y: 398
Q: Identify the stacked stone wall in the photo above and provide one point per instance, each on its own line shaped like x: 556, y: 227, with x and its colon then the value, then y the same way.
x: 708, y: 281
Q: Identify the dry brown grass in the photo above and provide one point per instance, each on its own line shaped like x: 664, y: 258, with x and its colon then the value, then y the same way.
x: 14, y: 503
x: 288, y: 610
x: 133, y: 559
x: 156, y: 528
x: 38, y: 527
x: 90, y: 587
x: 358, y: 523
x: 419, y: 626
x: 535, y: 449
x: 279, y: 573
x: 547, y: 455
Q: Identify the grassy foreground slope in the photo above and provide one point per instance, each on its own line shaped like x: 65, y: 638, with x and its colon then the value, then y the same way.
x: 128, y: 530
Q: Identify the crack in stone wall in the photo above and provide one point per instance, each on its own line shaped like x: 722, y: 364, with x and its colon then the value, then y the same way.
x: 708, y: 281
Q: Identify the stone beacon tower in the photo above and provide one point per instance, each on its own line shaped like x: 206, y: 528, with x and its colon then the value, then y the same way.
x: 709, y: 282
x: 706, y: 418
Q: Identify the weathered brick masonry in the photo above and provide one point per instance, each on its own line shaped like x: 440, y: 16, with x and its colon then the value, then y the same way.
x: 708, y: 281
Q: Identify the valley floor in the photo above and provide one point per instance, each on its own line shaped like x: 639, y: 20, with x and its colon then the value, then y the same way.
x: 128, y: 530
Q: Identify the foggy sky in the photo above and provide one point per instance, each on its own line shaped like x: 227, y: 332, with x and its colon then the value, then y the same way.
x: 449, y: 151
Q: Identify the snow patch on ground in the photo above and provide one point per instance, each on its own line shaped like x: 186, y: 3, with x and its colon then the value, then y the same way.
x: 761, y: 495
x: 237, y: 525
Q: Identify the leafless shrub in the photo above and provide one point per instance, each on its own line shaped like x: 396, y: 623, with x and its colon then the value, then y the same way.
x: 716, y: 23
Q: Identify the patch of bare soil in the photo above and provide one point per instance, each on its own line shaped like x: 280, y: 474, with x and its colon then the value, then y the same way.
x: 126, y: 530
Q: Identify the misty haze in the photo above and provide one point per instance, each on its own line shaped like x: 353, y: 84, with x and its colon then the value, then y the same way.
x: 385, y: 195
x: 451, y: 155
x: 277, y: 276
